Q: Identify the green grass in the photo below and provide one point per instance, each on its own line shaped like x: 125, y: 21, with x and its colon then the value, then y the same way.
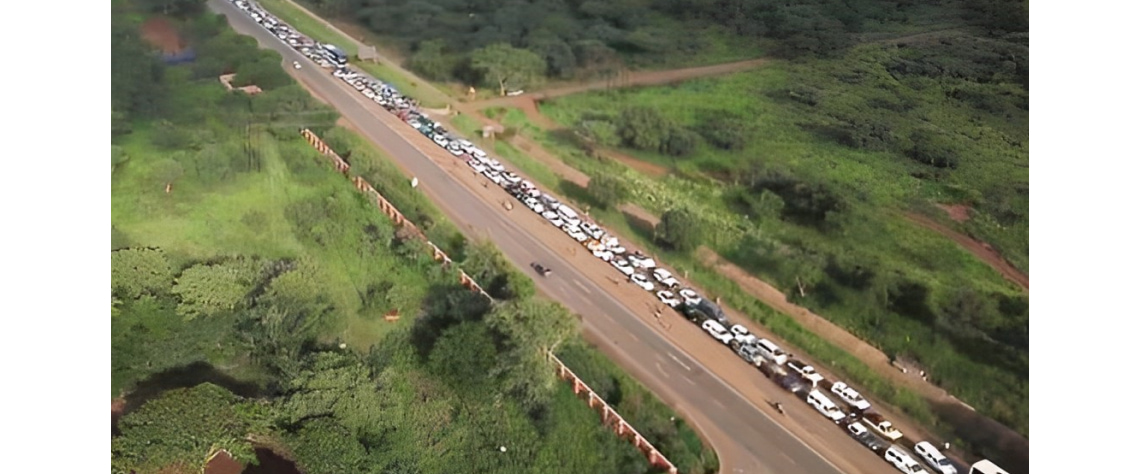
x: 308, y: 26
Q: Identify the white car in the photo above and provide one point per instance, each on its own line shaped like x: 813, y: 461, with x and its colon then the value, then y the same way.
x: 465, y: 145
x: 455, y: 151
x: 494, y: 176
x: 934, y: 458
x: 690, y: 296
x: 739, y: 331
x: 495, y: 165
x: 717, y: 331
x: 511, y: 177
x: 296, y: 65
x: 368, y: 93
x: 478, y: 154
x: 902, y: 461
x: 578, y: 236
x: 623, y: 266
x: 668, y: 298
x: 642, y: 281
x: 603, y: 254
x: 532, y: 203
x: 477, y: 166
x: 441, y: 141
x: 825, y: 406
x: 641, y: 261
x: 806, y: 371
x: 553, y: 217
x: 850, y: 396
x: 661, y: 274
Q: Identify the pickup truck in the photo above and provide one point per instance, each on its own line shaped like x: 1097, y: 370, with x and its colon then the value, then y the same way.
x: 882, y: 426
x: 867, y: 438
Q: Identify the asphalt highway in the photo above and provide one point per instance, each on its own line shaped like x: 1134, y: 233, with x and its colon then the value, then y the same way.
x: 747, y: 439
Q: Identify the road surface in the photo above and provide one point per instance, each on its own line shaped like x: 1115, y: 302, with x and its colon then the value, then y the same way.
x: 734, y: 419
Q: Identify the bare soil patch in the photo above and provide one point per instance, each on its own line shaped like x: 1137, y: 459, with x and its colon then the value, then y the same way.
x: 957, y: 212
x: 160, y: 32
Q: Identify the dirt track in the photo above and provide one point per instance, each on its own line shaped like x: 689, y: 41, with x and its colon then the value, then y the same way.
x: 979, y: 249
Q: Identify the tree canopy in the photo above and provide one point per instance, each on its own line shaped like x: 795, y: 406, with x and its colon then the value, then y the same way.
x: 183, y: 427
x: 508, y: 67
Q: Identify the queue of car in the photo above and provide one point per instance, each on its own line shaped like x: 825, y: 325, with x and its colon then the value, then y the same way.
x: 852, y: 411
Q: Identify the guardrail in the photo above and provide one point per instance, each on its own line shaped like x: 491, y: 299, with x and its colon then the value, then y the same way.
x: 610, y: 417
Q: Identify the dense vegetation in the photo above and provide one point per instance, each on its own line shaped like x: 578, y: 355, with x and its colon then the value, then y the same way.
x: 803, y: 168
x: 262, y: 272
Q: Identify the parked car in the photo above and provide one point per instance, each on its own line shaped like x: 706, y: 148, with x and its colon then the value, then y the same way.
x: 553, y: 218
x: 850, y: 396
x: 825, y: 406
x: 876, y: 422
x: 717, y: 331
x: 902, y: 461
x: 642, y: 281
x: 932, y: 456
x: 641, y: 261
x: 866, y: 437
x: 689, y: 296
x: 665, y: 278
x: 806, y: 371
x: 772, y: 352
x: 623, y: 266
x: 668, y: 298
x: 789, y: 382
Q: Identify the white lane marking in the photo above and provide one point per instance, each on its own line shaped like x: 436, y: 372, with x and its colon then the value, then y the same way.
x: 678, y: 361
x: 583, y: 287
x: 661, y: 369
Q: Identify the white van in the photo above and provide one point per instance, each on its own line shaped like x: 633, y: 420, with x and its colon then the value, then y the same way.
x: 772, y: 352
x: 927, y: 452
x: 825, y: 406
x: 569, y: 215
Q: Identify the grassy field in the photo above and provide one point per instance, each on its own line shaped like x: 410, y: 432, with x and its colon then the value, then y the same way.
x: 876, y: 185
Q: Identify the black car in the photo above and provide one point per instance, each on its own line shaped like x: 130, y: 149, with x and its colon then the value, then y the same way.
x: 865, y: 437
x: 793, y: 383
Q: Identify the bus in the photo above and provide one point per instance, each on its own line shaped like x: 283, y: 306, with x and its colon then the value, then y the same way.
x: 334, y: 55
x: 986, y: 466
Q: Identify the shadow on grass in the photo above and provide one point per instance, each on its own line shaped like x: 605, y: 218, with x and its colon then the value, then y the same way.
x: 186, y: 376
x: 1000, y: 444
x: 577, y: 194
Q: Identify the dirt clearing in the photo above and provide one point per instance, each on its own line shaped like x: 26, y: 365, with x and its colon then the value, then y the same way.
x: 161, y: 33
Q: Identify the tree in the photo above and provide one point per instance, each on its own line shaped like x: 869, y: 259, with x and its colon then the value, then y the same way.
x: 183, y: 427
x: 431, y: 61
x: 609, y: 190
x: 167, y: 171
x: 680, y: 142
x: 529, y: 330
x: 179, y: 8
x: 934, y: 149
x: 680, y: 229
x: 508, y: 67
x: 206, y: 290
x: 643, y: 128
x: 138, y: 272
x: 336, y: 385
x: 725, y: 131
x: 323, y: 445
